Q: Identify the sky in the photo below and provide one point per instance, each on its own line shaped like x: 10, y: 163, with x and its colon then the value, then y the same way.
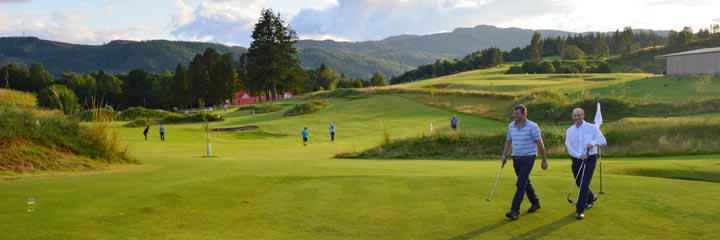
x: 231, y: 22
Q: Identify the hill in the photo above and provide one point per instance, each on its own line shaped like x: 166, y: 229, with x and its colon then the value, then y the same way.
x: 114, y: 57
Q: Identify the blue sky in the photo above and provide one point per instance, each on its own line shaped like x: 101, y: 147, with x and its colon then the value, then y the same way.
x: 231, y: 21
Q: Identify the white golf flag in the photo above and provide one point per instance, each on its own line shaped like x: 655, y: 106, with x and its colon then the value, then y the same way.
x: 598, y: 116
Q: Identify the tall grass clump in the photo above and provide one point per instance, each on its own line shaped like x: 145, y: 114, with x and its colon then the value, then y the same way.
x: 42, y: 140
x: 307, y: 107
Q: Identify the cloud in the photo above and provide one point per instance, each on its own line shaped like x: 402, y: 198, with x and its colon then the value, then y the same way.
x: 216, y: 22
x: 360, y: 20
x: 13, y: 1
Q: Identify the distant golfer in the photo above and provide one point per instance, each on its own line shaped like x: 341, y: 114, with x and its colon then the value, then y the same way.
x: 523, y: 136
x: 162, y: 132
x: 305, y: 136
x: 332, y: 131
x: 581, y: 140
x: 147, y: 129
x: 453, y: 123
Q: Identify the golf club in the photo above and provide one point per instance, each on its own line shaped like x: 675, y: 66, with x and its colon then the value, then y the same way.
x: 496, y: 181
x: 581, y: 168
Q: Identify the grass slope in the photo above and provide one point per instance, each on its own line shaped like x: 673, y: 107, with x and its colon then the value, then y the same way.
x: 274, y: 188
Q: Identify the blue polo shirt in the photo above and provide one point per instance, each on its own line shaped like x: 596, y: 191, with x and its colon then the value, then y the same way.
x: 523, y: 138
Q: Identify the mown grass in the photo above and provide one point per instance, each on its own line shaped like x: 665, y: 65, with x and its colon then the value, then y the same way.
x: 275, y: 188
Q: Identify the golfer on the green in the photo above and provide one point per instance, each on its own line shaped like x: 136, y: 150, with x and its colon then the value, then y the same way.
x: 581, y: 140
x: 305, y: 136
x: 523, y: 136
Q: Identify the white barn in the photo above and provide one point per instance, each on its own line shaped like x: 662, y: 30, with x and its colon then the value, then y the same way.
x: 695, y: 62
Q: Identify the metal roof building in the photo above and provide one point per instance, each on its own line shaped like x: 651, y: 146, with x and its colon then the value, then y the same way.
x: 695, y: 62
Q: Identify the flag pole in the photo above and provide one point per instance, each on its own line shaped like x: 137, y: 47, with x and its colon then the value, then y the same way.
x: 598, y: 122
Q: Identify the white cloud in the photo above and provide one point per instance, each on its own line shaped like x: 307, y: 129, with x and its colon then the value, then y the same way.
x: 360, y: 20
x: 218, y: 22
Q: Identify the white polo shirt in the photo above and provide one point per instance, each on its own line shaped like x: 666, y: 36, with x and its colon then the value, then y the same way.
x: 577, y: 139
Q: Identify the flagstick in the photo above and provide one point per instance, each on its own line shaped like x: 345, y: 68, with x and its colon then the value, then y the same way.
x: 600, y: 156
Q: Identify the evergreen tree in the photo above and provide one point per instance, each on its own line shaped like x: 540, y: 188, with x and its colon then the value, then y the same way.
x: 272, y: 58
x: 534, y: 55
x: 181, y: 87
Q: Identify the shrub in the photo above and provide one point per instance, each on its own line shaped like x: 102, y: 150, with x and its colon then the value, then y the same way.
x: 140, y: 122
x: 139, y: 112
x: 58, y: 97
x: 261, y: 108
x: 515, y: 70
x: 308, y: 107
x: 196, y: 118
x: 93, y: 114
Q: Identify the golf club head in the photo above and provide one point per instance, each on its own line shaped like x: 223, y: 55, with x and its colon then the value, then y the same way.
x: 487, y: 199
x: 570, y: 201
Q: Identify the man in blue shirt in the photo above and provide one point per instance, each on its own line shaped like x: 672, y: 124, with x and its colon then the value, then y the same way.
x: 305, y: 136
x: 581, y: 140
x: 162, y: 132
x: 332, y: 131
x: 523, y: 137
x: 453, y: 123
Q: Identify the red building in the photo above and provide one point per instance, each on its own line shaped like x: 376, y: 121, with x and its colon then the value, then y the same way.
x: 244, y: 97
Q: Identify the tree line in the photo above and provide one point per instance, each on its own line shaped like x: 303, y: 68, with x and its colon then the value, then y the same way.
x: 268, y: 68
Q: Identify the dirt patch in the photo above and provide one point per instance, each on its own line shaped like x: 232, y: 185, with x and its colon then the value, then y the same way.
x: 235, y: 129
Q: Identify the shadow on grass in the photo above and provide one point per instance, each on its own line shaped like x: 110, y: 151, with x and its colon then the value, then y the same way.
x: 544, y: 230
x: 480, y: 231
x: 682, y: 174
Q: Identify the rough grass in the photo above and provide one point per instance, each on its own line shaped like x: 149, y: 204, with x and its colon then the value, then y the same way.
x: 34, y: 141
x: 139, y: 112
x: 12, y: 98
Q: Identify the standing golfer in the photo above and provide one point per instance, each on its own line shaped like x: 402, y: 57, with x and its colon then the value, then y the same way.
x: 524, y: 138
x: 305, y: 136
x: 581, y: 140
x: 453, y: 123
x: 332, y: 131
x: 162, y: 132
x: 145, y: 132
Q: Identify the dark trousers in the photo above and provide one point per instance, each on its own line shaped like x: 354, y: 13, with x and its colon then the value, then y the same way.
x: 523, y: 166
x: 586, y: 195
x: 162, y: 136
x: 332, y: 136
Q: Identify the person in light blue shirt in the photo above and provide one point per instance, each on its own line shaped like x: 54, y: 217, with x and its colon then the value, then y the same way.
x: 524, y: 138
x: 162, y: 132
x: 581, y: 140
x: 332, y: 131
x: 305, y: 136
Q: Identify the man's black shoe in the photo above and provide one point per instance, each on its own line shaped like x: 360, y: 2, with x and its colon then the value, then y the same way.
x: 579, y: 216
x: 590, y: 204
x: 512, y: 215
x: 533, y: 208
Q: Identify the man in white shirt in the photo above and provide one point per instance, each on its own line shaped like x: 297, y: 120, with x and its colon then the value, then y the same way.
x: 582, y: 140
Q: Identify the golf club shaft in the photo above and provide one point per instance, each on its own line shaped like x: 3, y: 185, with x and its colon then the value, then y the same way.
x: 582, y: 169
x: 496, y: 181
x: 582, y: 165
x: 601, y: 179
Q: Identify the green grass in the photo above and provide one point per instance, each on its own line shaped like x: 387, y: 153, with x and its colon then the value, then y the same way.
x: 274, y: 188
x: 16, y: 98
